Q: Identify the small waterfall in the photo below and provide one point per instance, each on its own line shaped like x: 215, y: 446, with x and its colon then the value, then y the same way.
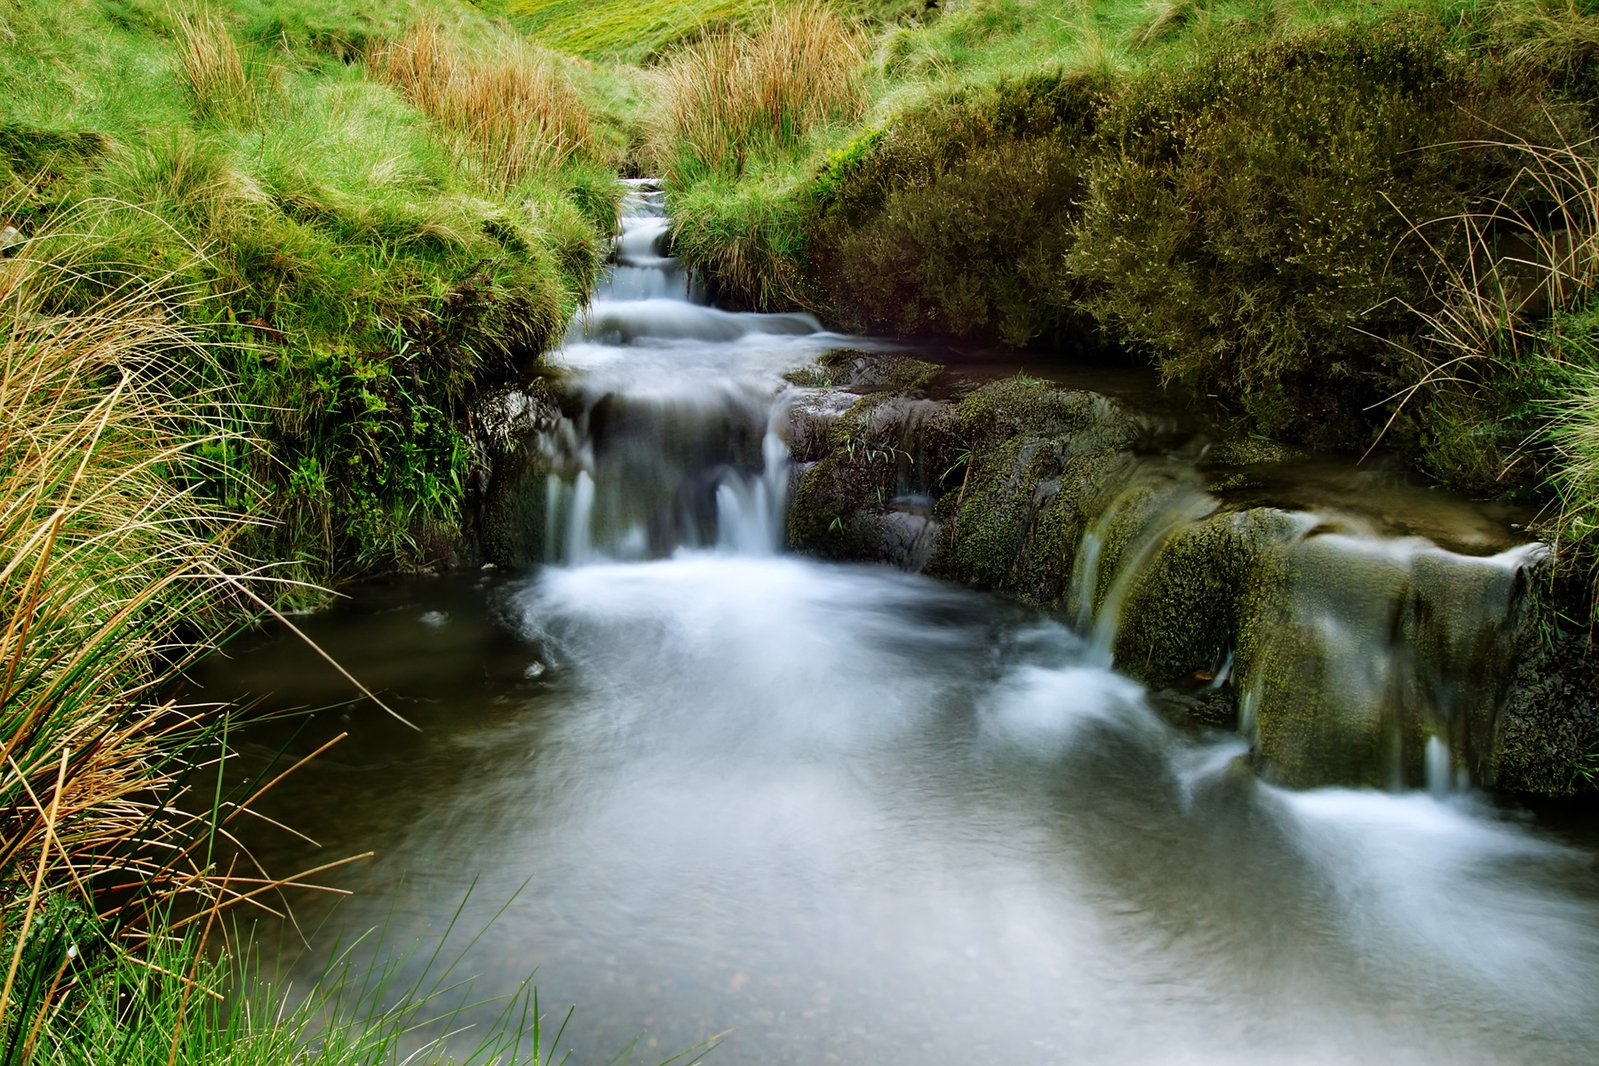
x: 1382, y: 659
x: 671, y: 434
x: 1154, y: 501
x: 1357, y: 656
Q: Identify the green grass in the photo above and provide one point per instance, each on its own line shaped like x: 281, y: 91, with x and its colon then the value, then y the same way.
x: 640, y: 31
x: 372, y: 260
x: 183, y: 1001
x: 628, y: 30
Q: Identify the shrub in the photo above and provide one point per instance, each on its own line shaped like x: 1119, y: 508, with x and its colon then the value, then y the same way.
x: 1247, y: 216
x: 955, y: 219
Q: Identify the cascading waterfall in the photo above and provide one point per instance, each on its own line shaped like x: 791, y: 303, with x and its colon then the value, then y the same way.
x: 685, y: 449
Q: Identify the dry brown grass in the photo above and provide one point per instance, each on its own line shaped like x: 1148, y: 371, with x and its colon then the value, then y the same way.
x: 511, y: 109
x: 110, y: 566
x: 1554, y: 35
x: 734, y: 93
x: 214, y: 68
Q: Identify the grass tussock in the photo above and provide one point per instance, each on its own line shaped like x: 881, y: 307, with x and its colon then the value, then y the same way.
x: 214, y: 68
x: 1517, y: 317
x: 1560, y: 36
x: 735, y: 95
x: 512, y: 108
x: 111, y: 557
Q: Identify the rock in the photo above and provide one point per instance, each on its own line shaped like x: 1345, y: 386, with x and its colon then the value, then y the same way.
x: 1547, y: 736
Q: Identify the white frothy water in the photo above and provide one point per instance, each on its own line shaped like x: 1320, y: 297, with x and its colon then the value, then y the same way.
x: 677, y: 443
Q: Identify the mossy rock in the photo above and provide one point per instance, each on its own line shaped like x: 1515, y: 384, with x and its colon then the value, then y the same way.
x: 1036, y: 455
x: 511, y: 494
x: 1546, y: 740
x: 826, y: 501
x: 1180, y: 619
x: 863, y: 371
x: 1024, y: 405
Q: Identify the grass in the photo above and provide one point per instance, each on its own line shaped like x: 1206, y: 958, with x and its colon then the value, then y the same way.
x: 110, y: 551
x: 512, y: 107
x: 349, y: 191
x: 121, y: 883
x: 628, y: 30
x: 735, y: 96
x: 214, y: 68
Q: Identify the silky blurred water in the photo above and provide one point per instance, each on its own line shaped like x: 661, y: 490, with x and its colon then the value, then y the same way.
x: 844, y: 814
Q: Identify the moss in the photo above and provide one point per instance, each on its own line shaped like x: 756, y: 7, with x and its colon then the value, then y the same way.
x: 1036, y: 454
x: 862, y: 371
x: 1310, y: 730
x: 1181, y: 616
x: 953, y: 219
x: 1546, y: 740
x: 827, y: 501
x: 1003, y: 409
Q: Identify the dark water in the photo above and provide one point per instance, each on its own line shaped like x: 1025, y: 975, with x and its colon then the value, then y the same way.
x: 844, y: 814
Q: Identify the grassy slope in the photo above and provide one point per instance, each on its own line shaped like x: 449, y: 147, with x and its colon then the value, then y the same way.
x: 367, y: 267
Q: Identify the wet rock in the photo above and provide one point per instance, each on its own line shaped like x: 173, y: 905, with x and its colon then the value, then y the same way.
x: 811, y: 417
x: 1180, y: 621
x: 511, y: 472
x: 862, y: 371
x: 1036, y: 456
x: 1547, y: 736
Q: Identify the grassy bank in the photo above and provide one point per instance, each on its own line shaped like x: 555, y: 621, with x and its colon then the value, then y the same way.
x: 1338, y: 225
x: 257, y: 260
x: 378, y: 212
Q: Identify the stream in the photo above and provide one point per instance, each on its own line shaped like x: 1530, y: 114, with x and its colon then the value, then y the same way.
x: 842, y: 813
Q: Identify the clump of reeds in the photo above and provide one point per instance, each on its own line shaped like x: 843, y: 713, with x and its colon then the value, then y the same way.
x: 511, y: 107
x: 1554, y: 35
x: 733, y: 93
x: 1519, y: 302
x: 214, y: 68
x: 1163, y: 18
x: 111, y: 564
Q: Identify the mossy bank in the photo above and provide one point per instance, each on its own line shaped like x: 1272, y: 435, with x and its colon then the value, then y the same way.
x: 374, y: 214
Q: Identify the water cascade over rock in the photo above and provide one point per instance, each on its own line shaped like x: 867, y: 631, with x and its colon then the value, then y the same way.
x: 677, y: 445
x: 842, y: 812
x: 1346, y: 646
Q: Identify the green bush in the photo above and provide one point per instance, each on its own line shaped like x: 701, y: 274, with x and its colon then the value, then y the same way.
x: 1249, y: 216
x: 956, y: 217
